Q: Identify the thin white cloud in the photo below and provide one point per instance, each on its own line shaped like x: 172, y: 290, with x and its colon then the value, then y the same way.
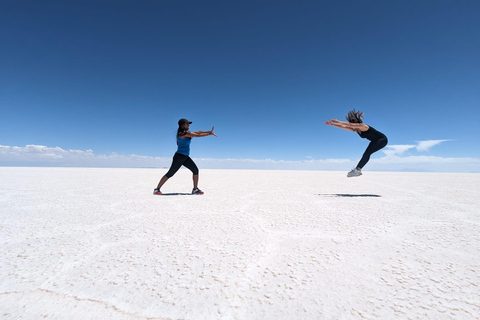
x: 428, y: 144
x: 421, y: 146
x: 397, y: 150
x: 426, y: 164
x: 37, y: 155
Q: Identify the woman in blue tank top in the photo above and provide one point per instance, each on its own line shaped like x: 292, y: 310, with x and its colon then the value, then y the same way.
x: 182, y: 156
x: 355, y: 124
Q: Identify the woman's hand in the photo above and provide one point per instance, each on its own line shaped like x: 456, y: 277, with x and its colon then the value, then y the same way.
x: 328, y: 122
x: 212, y: 133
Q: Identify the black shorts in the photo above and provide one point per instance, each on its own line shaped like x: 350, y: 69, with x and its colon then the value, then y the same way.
x: 181, y: 160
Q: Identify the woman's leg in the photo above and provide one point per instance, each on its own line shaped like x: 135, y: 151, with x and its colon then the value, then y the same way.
x: 195, y: 181
x: 193, y: 167
x: 177, y: 162
x: 373, y: 147
x: 162, y: 182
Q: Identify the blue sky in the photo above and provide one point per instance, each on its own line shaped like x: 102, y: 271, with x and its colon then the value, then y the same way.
x: 112, y: 78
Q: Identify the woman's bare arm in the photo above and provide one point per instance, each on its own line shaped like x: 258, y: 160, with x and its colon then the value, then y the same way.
x: 198, y: 134
x: 354, y: 127
x: 349, y: 126
x: 340, y: 126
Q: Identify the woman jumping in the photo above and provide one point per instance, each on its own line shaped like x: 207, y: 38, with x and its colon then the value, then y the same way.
x: 355, y: 123
x: 181, y: 157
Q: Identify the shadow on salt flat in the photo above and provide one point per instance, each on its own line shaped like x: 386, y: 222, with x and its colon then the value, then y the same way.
x: 176, y: 194
x: 348, y: 195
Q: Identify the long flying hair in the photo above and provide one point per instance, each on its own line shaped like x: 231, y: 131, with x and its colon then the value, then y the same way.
x: 354, y: 116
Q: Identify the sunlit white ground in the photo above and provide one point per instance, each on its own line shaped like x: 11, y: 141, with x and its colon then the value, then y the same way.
x: 80, y: 243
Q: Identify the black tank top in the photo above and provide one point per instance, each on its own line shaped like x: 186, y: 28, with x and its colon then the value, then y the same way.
x: 372, y: 134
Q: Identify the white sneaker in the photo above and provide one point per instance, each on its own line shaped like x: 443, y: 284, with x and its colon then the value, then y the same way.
x: 354, y: 173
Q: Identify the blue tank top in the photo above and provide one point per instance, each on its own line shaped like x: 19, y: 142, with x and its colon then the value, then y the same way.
x: 184, y: 146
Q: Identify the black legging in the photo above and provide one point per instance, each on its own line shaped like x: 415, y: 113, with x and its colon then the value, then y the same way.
x: 374, y: 146
x: 179, y: 160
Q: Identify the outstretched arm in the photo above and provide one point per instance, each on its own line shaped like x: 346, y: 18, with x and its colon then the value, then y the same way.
x: 355, y: 127
x: 337, y: 124
x: 198, y: 134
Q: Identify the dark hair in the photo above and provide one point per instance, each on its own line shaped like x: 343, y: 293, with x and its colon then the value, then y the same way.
x: 181, y: 130
x: 354, y: 116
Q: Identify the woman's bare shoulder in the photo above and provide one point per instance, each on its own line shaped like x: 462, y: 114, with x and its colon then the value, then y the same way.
x: 363, y: 127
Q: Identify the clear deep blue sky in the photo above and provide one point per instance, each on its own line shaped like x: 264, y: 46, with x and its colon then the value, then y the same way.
x: 115, y: 76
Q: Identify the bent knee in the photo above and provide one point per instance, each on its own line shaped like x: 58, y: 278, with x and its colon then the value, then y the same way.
x: 384, y: 143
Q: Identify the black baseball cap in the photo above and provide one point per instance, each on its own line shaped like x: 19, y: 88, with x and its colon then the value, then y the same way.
x: 183, y: 121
